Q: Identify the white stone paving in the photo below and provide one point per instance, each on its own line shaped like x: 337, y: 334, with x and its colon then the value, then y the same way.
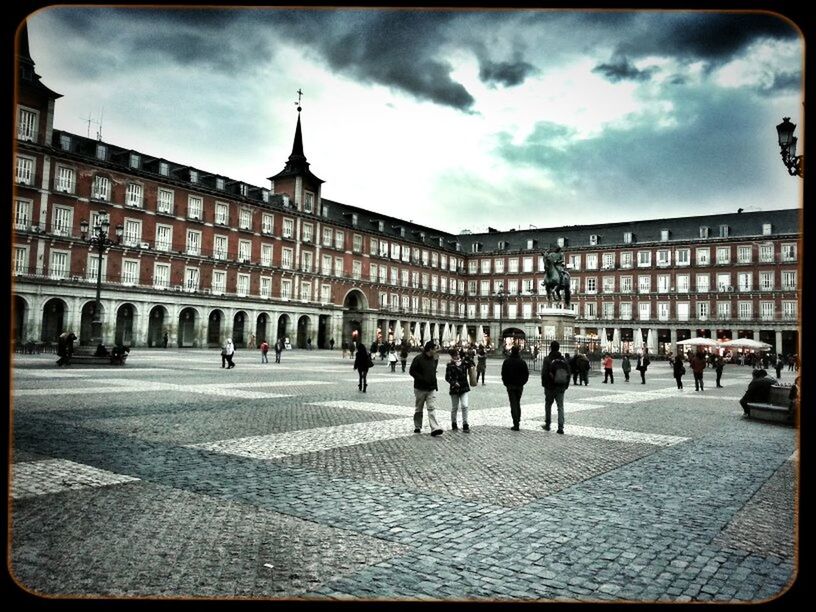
x: 31, y: 478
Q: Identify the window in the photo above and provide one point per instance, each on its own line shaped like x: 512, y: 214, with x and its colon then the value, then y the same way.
x: 132, y: 235
x: 92, y: 268
x: 723, y: 310
x: 165, y: 202
x: 286, y: 289
x: 66, y: 179
x: 327, y: 237
x: 767, y: 229
x: 702, y: 283
x: 627, y: 237
x: 512, y: 311
x: 338, y: 267
x: 723, y: 255
x: 425, y: 279
x: 308, y: 205
x: 766, y: 253
x: 663, y: 311
x: 130, y: 271
x: 373, y: 246
x: 244, y: 251
x: 22, y: 214
x: 593, y: 239
x: 384, y: 249
x: 424, y: 257
x: 101, y: 151
x: 527, y: 286
x: 415, y: 280
x: 435, y: 260
x: 766, y: 281
x: 60, y: 264
x: 221, y: 213
x: 191, y: 279
x: 372, y: 272
x: 288, y: 228
x: 513, y: 265
x: 356, y: 269
x: 325, y: 295
x: 305, y: 291
x: 485, y: 266
x: 476, y: 247
x: 161, y: 275
x: 608, y: 261
x: 164, y: 168
x: 663, y: 258
x: 591, y: 284
x: 28, y: 121
x: 193, y: 242
x: 789, y: 312
x: 703, y: 257
x: 745, y: 281
x: 626, y: 284
x: 266, y: 287
x: 395, y: 277
x: 164, y: 237
x: 788, y: 280
x: 789, y: 252
x: 20, y: 259
x: 590, y: 310
x: 307, y: 264
x: 101, y: 188
x: 744, y: 254
x: 326, y: 265
x: 645, y: 311
x: 724, y: 231
x: 626, y: 259
x: 134, y: 195
x: 512, y: 287
x: 267, y: 221
x: 484, y: 287
x: 592, y: 261
x: 745, y: 310
x: 266, y: 255
x: 574, y: 262
x: 644, y: 283
x: 663, y: 283
x: 682, y: 257
x: 62, y: 221
x: 703, y: 232
x: 702, y: 311
x: 527, y: 264
x: 219, y: 282
x: 194, y: 207
x: 357, y: 243
x: 608, y: 310
x: 65, y: 142
x: 682, y: 283
x: 644, y: 259
x: 724, y: 282
x: 608, y: 284
x: 308, y: 232
x: 354, y: 219
x: 766, y: 311
x: 242, y: 284
x: 498, y: 265
x: 193, y: 176
x: 664, y: 235
x: 561, y: 241
x: 219, y: 183
x: 220, y: 248
x: 626, y: 311
x: 683, y: 311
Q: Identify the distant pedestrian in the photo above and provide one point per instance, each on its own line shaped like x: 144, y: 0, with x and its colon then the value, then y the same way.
x: 352, y: 349
x: 698, y: 365
x: 555, y: 376
x: 403, y: 355
x: 607, y: 366
x: 679, y: 370
x: 279, y: 346
x: 515, y: 375
x: 778, y: 366
x: 573, y: 364
x: 626, y: 365
x: 345, y: 349
x: 251, y: 343
x: 362, y: 363
x: 457, y: 376
x: 308, y: 344
x: 423, y: 371
x: 719, y: 364
x: 392, y: 359
x: 643, y: 362
x: 331, y: 344
x: 264, y: 351
x: 582, y: 363
x: 165, y: 339
x: 481, y: 364
x: 758, y: 392
x: 229, y: 351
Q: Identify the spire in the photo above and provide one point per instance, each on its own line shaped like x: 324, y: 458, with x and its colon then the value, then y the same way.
x: 297, y: 164
x: 297, y: 145
x: 25, y: 65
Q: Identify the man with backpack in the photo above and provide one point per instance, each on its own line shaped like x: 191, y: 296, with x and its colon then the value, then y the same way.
x: 555, y: 376
x: 515, y: 374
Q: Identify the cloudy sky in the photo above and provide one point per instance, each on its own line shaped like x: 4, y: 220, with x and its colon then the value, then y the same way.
x: 455, y: 119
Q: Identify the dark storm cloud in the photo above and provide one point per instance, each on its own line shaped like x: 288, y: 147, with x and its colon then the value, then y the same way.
x: 621, y: 69
x: 505, y: 73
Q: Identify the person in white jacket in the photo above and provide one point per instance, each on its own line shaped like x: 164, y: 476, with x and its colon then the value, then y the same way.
x: 226, y: 354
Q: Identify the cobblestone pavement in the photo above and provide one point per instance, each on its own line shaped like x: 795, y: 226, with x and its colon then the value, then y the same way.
x: 172, y: 476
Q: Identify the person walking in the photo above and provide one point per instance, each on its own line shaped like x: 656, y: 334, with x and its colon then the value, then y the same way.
x: 582, y: 363
x: 229, y: 351
x: 626, y: 365
x: 331, y: 344
x: 264, y: 351
x: 251, y: 343
x: 362, y: 363
x: 278, y: 350
x: 392, y: 359
x: 404, y: 355
x: 607, y: 365
x: 679, y: 370
x: 515, y: 375
x: 719, y: 364
x: 555, y: 377
x: 698, y: 365
x: 423, y: 371
x: 573, y: 364
x: 643, y: 362
x: 308, y: 344
x: 481, y: 364
x: 456, y: 375
x: 165, y: 339
x: 778, y: 366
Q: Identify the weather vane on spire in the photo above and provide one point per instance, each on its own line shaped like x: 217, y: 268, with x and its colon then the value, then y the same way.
x: 299, y: 93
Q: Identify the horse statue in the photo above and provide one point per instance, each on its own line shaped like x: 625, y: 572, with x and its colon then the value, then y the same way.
x: 556, y: 277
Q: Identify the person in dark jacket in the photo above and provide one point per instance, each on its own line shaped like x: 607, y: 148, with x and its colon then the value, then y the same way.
x: 515, y: 375
x: 403, y: 355
x: 643, y: 362
x: 362, y: 363
x: 698, y: 366
x: 573, y: 364
x: 759, y: 390
x: 554, y: 388
x: 456, y: 374
x: 778, y: 366
x: 481, y: 364
x: 719, y: 364
x: 626, y: 366
x: 679, y: 370
x: 582, y: 365
x: 423, y: 371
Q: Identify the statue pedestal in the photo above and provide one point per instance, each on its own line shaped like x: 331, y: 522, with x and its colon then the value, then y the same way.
x: 558, y: 324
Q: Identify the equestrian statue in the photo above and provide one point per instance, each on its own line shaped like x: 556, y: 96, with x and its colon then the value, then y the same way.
x: 556, y: 277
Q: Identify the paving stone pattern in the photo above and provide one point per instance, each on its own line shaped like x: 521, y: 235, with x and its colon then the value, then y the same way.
x: 289, y: 482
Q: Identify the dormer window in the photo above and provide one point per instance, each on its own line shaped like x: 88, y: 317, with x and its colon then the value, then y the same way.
x: 354, y: 219
x: 27, y: 122
x: 627, y: 238
x: 243, y: 189
x: 476, y: 247
x: 664, y: 235
x: 503, y: 245
x: 65, y: 142
x: 402, y: 232
x: 381, y: 225
x: 308, y: 205
x: 724, y: 231
x: 193, y: 176
x: 703, y: 231
x: 441, y: 241
x: 561, y: 241
x: 164, y: 168
x: 593, y: 239
x: 101, y: 151
x: 766, y: 229
x: 422, y: 236
x: 265, y: 195
x: 219, y: 184
x: 135, y: 160
x: 531, y: 244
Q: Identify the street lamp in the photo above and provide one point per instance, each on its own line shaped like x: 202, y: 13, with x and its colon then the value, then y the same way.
x: 501, y: 297
x: 100, y: 241
x: 787, y: 144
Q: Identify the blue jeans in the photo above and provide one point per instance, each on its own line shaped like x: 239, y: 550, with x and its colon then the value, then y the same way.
x: 556, y: 395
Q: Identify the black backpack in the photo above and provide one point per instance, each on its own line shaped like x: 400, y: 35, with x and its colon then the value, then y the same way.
x: 559, y: 371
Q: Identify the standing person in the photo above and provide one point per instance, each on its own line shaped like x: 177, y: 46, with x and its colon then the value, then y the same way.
x: 573, y: 364
x: 392, y: 359
x: 331, y: 344
x: 626, y: 365
x: 698, y: 365
x: 229, y: 351
x: 643, y: 362
x: 278, y: 350
x: 403, y: 355
x: 515, y: 375
x: 582, y: 363
x: 791, y: 362
x: 423, y: 371
x: 352, y: 348
x: 264, y: 351
x: 679, y: 370
x: 457, y: 376
x: 362, y: 363
x: 165, y: 339
x: 481, y: 364
x: 778, y: 366
x: 62, y: 349
x: 308, y: 344
x: 607, y: 365
x: 719, y: 364
x: 251, y: 341
x: 555, y: 376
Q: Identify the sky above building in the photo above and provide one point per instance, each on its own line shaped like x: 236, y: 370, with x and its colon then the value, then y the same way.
x: 457, y: 119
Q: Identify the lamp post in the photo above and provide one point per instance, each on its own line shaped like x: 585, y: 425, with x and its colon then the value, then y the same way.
x: 501, y: 297
x: 98, y: 239
x: 787, y: 145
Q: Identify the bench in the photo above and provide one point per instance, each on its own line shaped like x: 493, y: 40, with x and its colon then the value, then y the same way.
x: 114, y: 357
x: 779, y: 408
